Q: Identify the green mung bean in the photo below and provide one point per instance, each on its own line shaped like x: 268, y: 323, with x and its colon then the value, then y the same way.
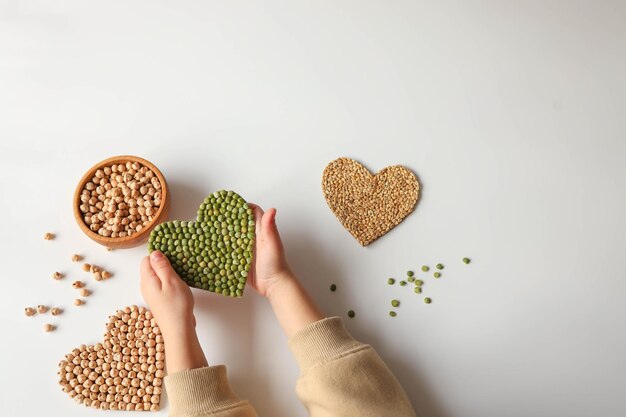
x: 214, y: 252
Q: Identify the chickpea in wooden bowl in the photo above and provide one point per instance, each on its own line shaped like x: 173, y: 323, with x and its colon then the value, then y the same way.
x: 120, y: 200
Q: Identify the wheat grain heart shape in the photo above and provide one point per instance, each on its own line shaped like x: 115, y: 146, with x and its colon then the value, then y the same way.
x: 369, y: 205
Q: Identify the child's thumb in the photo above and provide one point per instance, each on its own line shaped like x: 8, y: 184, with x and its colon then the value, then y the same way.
x: 162, y: 266
x: 269, y: 226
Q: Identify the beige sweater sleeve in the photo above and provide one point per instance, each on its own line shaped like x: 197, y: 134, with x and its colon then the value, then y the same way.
x: 204, y: 392
x: 341, y: 377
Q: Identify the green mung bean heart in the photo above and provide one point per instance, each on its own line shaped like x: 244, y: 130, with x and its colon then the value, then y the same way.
x: 213, y: 253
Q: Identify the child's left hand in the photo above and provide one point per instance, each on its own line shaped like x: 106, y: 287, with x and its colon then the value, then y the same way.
x: 168, y: 297
x: 170, y: 300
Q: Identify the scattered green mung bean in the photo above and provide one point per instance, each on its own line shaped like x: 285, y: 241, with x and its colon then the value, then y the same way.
x: 333, y: 287
x: 437, y: 274
x: 393, y: 313
x: 427, y: 300
x: 403, y: 283
x: 419, y: 282
x: 395, y: 303
x: 351, y: 313
x: 410, y: 273
x: 439, y: 266
x: 391, y: 281
x: 466, y: 260
x: 425, y: 268
x: 410, y: 279
x: 418, y: 290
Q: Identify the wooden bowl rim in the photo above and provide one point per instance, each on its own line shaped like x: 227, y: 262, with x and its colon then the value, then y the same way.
x: 117, y: 241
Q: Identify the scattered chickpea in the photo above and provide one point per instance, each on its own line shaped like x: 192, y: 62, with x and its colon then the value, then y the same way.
x: 86, y: 267
x: 48, y: 236
x: 97, y: 276
x: 41, y: 309
x: 78, y: 284
x: 29, y: 311
x: 78, y: 302
x: 106, y: 274
x: 57, y: 275
x: 48, y: 327
x: 94, y: 269
x: 56, y: 311
x: 76, y: 257
x: 85, y: 292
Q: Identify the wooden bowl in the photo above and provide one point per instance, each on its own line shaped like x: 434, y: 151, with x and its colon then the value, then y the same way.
x: 137, y: 238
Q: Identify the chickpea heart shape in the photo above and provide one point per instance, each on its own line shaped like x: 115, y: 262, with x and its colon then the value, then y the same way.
x: 213, y: 253
x: 369, y: 205
x: 123, y: 372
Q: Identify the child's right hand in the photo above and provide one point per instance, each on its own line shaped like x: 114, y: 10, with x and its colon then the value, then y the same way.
x: 270, y: 265
x: 271, y: 277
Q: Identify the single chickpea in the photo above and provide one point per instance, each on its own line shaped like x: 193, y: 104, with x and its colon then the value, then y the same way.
x: 97, y: 276
x: 76, y: 257
x: 29, y: 311
x: 48, y: 236
x: 41, y: 309
x: 48, y: 327
x: 86, y: 267
x: 78, y: 302
x: 56, y: 311
x: 85, y: 292
x: 78, y: 284
x: 57, y: 275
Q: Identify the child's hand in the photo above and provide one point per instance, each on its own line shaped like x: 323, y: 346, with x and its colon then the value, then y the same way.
x: 269, y: 265
x: 271, y: 277
x: 170, y: 300
x: 168, y: 297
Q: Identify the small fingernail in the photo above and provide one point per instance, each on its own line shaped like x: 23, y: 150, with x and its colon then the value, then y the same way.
x: 156, y: 256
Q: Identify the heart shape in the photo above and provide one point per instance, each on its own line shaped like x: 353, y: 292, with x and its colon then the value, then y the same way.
x: 369, y: 205
x: 125, y: 371
x: 213, y: 253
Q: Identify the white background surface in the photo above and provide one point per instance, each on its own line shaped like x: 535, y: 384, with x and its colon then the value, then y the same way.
x: 511, y: 114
